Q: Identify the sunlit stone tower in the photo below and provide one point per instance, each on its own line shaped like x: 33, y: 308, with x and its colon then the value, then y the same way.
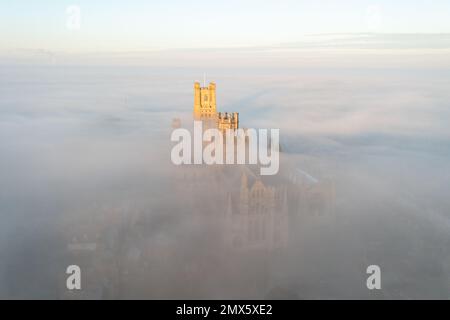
x: 227, y: 121
x: 205, y: 102
x: 205, y: 109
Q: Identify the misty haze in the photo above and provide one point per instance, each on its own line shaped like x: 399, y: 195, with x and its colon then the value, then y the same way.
x: 87, y: 179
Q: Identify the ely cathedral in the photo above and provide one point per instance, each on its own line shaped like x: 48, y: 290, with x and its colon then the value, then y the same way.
x: 250, y: 211
x: 210, y: 226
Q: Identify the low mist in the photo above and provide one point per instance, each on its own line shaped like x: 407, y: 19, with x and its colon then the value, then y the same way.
x: 86, y: 179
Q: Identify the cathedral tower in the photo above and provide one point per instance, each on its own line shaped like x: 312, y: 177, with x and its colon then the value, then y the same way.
x: 205, y: 102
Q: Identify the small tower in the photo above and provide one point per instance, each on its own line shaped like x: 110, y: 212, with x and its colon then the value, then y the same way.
x: 227, y: 121
x: 205, y: 102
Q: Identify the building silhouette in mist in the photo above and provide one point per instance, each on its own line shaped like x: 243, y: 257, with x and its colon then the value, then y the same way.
x: 253, y: 211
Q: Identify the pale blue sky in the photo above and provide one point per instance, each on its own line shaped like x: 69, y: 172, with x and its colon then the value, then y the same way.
x: 143, y: 25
